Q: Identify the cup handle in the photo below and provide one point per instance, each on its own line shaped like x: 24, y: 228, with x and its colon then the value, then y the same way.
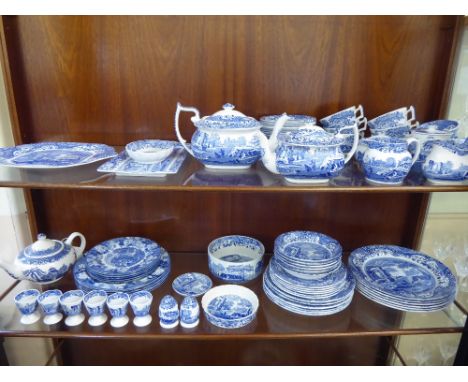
x: 411, y: 114
x: 78, y: 250
x: 359, y: 113
x: 362, y: 124
x: 355, y: 143
x: 415, y: 155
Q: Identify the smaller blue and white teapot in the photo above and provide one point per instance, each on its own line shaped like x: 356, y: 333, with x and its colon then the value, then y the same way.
x: 226, y: 140
x: 46, y: 260
x: 307, y: 155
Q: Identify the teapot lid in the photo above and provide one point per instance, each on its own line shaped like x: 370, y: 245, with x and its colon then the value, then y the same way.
x: 310, y: 135
x: 228, y: 118
x: 45, y: 247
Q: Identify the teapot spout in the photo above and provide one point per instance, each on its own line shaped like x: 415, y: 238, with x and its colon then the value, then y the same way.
x: 12, y: 270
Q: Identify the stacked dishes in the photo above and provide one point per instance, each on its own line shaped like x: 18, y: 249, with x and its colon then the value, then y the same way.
x: 124, y: 264
x: 306, y: 275
x: 402, y: 279
x: 293, y: 123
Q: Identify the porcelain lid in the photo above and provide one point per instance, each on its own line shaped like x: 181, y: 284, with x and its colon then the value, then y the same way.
x: 228, y: 118
x: 293, y: 119
x: 45, y: 247
x: 442, y: 126
x: 310, y: 136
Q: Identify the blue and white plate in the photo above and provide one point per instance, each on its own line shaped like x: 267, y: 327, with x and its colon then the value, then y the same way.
x: 49, y: 155
x: 122, y: 258
x: 192, y: 284
x: 402, y: 278
x: 230, y: 306
x: 148, y: 282
x: 123, y: 165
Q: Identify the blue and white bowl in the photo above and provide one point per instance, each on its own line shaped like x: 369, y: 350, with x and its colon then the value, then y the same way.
x: 230, y: 306
x: 150, y: 150
x: 447, y: 162
x: 49, y: 302
x: 236, y: 258
x: 168, y: 312
x: 141, y: 304
x: 26, y: 302
x: 95, y: 302
x: 117, y: 304
x: 189, y: 312
x: 71, y: 305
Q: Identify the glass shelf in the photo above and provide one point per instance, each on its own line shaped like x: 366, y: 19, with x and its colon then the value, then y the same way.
x: 194, y: 176
x: 362, y: 318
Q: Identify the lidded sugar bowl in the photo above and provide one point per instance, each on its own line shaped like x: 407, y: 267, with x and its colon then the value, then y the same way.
x: 226, y: 140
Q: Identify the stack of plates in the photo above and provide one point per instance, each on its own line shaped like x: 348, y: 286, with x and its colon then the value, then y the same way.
x: 402, y: 279
x: 306, y: 275
x: 293, y: 123
x: 125, y: 264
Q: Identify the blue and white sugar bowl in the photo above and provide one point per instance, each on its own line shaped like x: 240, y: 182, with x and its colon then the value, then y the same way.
x: 189, y: 312
x: 226, y: 140
x: 388, y: 160
x: 168, y: 312
x: 141, y: 304
x: 308, y: 155
x: 447, y: 162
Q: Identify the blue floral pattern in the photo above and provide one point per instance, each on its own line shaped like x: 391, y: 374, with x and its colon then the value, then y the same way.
x: 192, y: 284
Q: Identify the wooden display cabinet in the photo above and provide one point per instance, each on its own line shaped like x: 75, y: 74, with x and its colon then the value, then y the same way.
x: 117, y: 79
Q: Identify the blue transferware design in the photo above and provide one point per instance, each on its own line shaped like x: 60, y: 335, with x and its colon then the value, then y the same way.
x: 344, y: 117
x: 189, y: 312
x: 225, y: 140
x: 168, y: 312
x: 49, y: 301
x: 294, y: 119
x: 149, y: 281
x: 117, y: 304
x: 71, y: 302
x: 45, y: 260
x: 123, y: 165
x: 122, y: 258
x: 235, y: 258
x: 192, y: 284
x: 388, y: 160
x: 447, y: 163
x: 48, y: 155
x: 141, y: 302
x: 394, y: 118
x: 400, y: 131
x: 308, y: 246
x: 150, y: 150
x: 95, y: 302
x: 26, y: 301
x: 230, y: 306
x: 306, y: 155
x: 402, y: 273
x: 441, y: 126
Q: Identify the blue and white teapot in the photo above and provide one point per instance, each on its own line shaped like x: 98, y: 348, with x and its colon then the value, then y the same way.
x: 307, y: 155
x: 227, y: 140
x: 46, y: 260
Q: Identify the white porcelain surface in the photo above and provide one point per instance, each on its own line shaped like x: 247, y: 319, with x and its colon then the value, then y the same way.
x: 119, y: 322
x: 142, y: 321
x: 52, y: 319
x: 75, y: 320
x: 150, y: 150
x: 97, y: 320
x: 28, y: 319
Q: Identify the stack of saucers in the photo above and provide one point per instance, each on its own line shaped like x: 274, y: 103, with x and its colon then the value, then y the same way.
x: 306, y: 275
x: 402, y: 278
x: 293, y: 123
x: 124, y: 264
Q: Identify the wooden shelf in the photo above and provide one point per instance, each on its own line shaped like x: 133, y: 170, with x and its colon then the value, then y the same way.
x: 362, y: 318
x: 194, y: 177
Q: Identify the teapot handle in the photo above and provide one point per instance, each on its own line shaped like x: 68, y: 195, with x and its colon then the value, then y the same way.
x: 355, y: 142
x: 78, y: 250
x: 176, y: 124
x: 415, y: 155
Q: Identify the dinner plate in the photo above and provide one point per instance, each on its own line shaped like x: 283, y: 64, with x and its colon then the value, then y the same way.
x: 50, y: 155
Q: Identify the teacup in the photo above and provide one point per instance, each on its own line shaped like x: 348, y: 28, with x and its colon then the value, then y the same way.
x: 95, y: 302
x: 399, y: 131
x: 71, y: 305
x: 26, y: 302
x: 141, y: 304
x: 388, y: 160
x: 398, y: 117
x: 117, y: 304
x: 49, y: 302
x: 344, y: 117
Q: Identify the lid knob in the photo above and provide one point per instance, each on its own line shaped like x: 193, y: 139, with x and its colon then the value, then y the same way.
x: 42, y: 243
x: 228, y: 106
